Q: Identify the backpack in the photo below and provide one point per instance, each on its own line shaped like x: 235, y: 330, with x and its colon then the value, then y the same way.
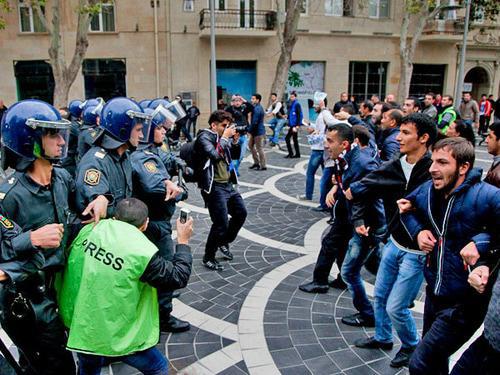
x: 187, y: 153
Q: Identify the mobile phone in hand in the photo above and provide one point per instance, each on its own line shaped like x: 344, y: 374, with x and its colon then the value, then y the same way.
x: 184, y: 215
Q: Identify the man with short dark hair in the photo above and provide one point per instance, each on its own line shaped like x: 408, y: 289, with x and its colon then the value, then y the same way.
x: 485, y: 110
x: 214, y: 149
x: 278, y: 120
x: 493, y: 144
x: 389, y: 130
x: 365, y: 110
x: 112, y: 264
x: 344, y: 99
x: 295, y: 117
x: 453, y: 219
x: 411, y: 105
x: 257, y: 133
x: 469, y: 110
x: 400, y: 272
x: 429, y: 108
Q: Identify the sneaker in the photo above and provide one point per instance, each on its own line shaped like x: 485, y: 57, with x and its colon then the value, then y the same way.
x: 371, y: 343
x: 213, y: 265
x: 402, y: 357
x: 174, y: 325
x: 330, y: 221
x: 226, y: 254
x: 303, y: 198
x: 254, y: 166
x: 358, y: 320
x: 313, y: 287
x: 263, y: 169
x: 320, y: 209
x: 288, y: 157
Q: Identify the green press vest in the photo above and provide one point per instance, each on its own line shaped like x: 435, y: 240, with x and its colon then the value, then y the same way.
x: 454, y: 117
x: 106, y: 307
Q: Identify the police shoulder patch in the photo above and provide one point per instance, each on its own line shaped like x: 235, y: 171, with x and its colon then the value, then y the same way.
x: 164, y: 147
x: 92, y: 177
x: 150, y: 167
x: 6, y: 222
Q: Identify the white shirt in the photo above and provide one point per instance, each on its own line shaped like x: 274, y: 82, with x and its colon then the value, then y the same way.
x: 407, y: 167
x: 324, y: 119
x: 275, y: 110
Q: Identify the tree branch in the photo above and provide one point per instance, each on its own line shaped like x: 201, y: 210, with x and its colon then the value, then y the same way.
x: 35, y: 4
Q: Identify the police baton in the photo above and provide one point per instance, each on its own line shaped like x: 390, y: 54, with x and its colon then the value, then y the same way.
x: 11, y: 360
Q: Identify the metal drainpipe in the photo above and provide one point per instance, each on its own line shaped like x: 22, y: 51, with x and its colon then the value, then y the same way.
x: 157, y: 57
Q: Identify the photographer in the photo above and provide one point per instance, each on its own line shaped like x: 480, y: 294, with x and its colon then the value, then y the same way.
x: 152, y: 184
x: 240, y: 111
x: 214, y: 151
x: 108, y: 297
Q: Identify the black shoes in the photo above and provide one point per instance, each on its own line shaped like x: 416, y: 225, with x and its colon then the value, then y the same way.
x: 314, y: 287
x: 371, y: 343
x: 330, y: 221
x: 295, y: 157
x: 226, y: 254
x: 358, y: 320
x: 289, y: 156
x: 338, y: 283
x: 320, y: 209
x: 213, y: 265
x: 402, y: 357
x: 254, y: 166
x: 263, y: 169
x: 174, y: 325
x: 176, y: 294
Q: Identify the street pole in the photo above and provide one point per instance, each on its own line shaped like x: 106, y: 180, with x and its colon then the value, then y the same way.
x: 461, y: 66
x: 213, y: 66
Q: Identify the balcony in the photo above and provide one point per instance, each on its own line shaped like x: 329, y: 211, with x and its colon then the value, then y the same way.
x: 231, y: 23
x: 448, y: 30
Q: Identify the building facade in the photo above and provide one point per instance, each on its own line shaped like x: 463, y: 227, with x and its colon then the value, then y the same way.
x: 145, y: 50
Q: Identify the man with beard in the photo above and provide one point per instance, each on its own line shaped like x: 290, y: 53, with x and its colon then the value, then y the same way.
x: 453, y: 216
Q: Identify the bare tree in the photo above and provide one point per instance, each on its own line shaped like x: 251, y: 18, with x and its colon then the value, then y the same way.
x: 64, y: 73
x: 287, y: 36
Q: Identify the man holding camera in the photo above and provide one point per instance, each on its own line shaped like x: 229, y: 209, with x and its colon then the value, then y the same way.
x: 214, y: 149
x: 240, y: 111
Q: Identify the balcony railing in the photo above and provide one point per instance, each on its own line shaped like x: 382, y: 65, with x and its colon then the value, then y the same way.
x: 239, y: 19
x: 448, y: 27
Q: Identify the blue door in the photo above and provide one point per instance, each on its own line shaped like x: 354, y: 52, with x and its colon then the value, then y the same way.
x: 236, y: 77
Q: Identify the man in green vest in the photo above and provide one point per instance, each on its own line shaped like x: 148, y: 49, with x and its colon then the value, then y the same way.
x: 108, y: 297
x: 448, y: 115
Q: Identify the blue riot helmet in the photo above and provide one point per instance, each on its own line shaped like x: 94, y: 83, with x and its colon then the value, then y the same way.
x: 144, y: 103
x: 74, y: 108
x: 91, y: 113
x: 159, y: 117
x: 156, y: 102
x: 34, y: 129
x: 89, y: 102
x: 118, y: 118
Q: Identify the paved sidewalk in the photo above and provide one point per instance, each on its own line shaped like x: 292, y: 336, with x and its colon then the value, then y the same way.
x: 251, y: 318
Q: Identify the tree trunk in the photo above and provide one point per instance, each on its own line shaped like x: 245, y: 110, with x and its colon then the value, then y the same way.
x: 287, y: 36
x: 405, y: 72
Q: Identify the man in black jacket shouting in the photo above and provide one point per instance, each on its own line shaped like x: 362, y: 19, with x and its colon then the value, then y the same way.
x: 401, y: 268
x: 214, y: 149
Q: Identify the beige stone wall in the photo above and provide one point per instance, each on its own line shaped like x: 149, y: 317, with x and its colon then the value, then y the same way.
x: 184, y: 51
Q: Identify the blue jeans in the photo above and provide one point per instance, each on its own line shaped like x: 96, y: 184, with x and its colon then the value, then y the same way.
x: 277, y: 125
x: 325, y: 185
x: 243, y: 142
x: 398, y: 281
x: 358, y: 251
x: 315, y: 161
x: 150, y: 362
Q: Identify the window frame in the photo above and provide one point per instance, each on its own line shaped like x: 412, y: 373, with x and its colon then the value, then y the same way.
x: 377, y: 16
x: 333, y: 14
x: 22, y: 4
x: 187, y: 9
x: 100, y: 19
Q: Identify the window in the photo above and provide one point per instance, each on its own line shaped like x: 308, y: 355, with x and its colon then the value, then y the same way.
x: 34, y: 80
x: 219, y: 4
x: 104, y: 78
x: 379, y: 8
x: 29, y: 21
x: 104, y: 21
x: 188, y: 6
x: 367, y: 79
x: 338, y: 8
x: 427, y: 78
x: 304, y: 4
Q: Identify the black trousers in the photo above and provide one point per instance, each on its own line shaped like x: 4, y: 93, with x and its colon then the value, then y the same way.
x: 295, y: 136
x: 479, y: 358
x: 333, y: 248
x: 222, y: 201
x: 447, y: 326
x: 160, y: 233
x: 40, y: 338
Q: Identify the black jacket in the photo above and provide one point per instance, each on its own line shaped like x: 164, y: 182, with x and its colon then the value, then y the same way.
x: 205, y: 149
x: 389, y: 183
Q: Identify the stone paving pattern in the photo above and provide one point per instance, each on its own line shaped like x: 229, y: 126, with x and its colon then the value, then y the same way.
x: 251, y: 318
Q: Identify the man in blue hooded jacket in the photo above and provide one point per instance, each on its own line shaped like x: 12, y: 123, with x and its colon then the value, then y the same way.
x: 453, y: 219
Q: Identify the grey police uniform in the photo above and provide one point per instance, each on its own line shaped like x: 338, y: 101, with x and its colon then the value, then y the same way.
x: 86, y: 138
x: 103, y: 172
x: 37, y: 330
x: 149, y: 176
x: 69, y: 162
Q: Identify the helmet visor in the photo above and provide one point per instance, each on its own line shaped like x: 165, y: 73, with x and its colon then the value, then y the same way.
x: 140, y: 118
x: 54, y: 138
x: 176, y: 108
x: 163, y: 116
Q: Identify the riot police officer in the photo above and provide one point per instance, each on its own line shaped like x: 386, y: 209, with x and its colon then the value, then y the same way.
x: 89, y: 130
x: 34, y: 139
x: 75, y: 112
x: 152, y: 184
x: 105, y: 169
